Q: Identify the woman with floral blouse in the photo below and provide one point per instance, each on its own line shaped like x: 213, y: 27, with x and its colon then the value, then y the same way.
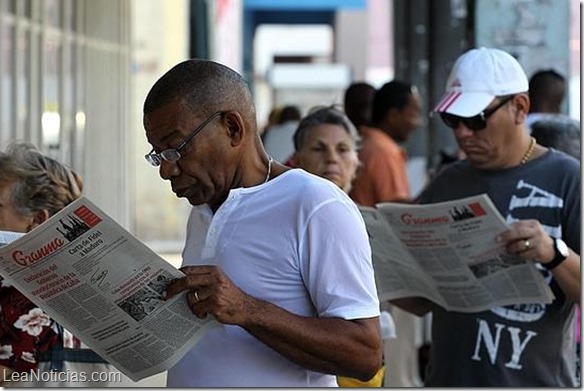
x: 33, y: 187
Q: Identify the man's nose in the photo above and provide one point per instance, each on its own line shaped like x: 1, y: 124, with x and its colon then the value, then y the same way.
x: 332, y: 155
x: 462, y: 131
x: 168, y: 170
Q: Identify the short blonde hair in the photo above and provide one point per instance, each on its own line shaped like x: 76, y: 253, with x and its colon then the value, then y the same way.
x: 40, y: 182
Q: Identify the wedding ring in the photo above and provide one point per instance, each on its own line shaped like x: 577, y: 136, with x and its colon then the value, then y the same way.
x: 527, y: 244
x: 197, y: 296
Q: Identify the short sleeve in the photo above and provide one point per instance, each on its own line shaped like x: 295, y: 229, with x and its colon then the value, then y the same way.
x: 336, y: 262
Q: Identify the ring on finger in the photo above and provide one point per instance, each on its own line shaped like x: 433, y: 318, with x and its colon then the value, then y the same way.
x: 527, y: 244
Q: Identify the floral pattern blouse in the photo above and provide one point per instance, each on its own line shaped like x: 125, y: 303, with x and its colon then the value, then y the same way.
x: 26, y: 331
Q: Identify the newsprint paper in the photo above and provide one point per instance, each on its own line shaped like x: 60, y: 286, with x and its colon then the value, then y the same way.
x: 446, y: 252
x: 105, y: 286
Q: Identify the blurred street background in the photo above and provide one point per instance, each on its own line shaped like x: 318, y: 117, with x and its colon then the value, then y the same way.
x: 74, y: 75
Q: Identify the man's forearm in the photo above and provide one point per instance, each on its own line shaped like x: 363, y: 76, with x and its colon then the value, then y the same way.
x: 328, y: 345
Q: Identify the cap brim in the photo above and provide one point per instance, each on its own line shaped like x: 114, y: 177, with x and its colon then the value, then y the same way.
x: 463, y: 104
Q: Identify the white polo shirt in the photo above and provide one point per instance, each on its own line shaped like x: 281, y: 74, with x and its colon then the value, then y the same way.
x: 296, y: 241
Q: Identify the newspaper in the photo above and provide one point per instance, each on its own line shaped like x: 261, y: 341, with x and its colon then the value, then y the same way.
x: 446, y: 252
x: 105, y: 286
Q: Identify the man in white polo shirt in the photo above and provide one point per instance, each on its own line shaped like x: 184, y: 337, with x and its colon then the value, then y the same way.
x: 278, y: 256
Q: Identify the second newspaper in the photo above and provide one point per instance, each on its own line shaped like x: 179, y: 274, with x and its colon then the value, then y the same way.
x: 446, y: 252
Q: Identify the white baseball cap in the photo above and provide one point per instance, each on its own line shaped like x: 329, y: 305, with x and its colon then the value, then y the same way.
x: 477, y: 77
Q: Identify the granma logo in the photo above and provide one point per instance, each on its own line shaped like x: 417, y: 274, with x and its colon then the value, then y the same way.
x: 24, y: 259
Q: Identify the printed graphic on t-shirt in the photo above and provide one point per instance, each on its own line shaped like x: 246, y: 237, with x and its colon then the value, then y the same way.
x: 490, y: 334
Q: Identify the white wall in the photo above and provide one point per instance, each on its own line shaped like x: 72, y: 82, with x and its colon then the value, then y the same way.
x: 160, y: 40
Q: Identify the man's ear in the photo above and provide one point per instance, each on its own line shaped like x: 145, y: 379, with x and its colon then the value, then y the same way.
x: 521, y: 107
x: 235, y: 127
x: 39, y: 217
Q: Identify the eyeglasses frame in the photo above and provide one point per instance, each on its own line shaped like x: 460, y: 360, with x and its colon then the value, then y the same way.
x: 153, y: 157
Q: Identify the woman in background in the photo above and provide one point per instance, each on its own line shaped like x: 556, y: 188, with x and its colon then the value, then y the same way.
x: 33, y: 187
x: 325, y: 144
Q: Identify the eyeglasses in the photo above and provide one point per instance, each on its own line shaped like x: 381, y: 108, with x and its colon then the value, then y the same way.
x: 478, y: 122
x: 173, y: 154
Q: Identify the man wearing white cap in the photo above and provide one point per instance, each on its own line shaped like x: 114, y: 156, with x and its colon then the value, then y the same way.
x: 537, y: 190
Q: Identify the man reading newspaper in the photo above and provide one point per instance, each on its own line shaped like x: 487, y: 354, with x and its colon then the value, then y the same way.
x: 537, y: 190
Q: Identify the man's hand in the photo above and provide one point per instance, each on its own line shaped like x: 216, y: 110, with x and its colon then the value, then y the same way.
x: 528, y: 240
x: 210, y: 291
x: 329, y: 345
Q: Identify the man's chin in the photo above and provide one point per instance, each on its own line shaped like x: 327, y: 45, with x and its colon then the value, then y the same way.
x: 191, y: 198
x: 195, y: 200
x: 480, y: 162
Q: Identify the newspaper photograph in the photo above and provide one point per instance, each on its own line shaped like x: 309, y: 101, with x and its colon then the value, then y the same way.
x: 105, y: 286
x: 446, y: 252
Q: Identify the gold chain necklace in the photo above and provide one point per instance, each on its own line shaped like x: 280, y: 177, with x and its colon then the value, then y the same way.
x: 527, y: 155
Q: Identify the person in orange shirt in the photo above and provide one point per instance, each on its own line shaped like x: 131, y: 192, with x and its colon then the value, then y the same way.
x: 382, y: 175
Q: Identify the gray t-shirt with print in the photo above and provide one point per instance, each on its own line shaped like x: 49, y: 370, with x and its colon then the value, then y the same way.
x: 519, y: 345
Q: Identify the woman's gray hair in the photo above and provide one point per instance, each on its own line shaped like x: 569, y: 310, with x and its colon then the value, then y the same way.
x: 40, y: 182
x: 320, y: 115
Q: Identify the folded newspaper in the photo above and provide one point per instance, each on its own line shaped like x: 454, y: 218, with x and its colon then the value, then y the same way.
x: 446, y: 252
x: 105, y: 286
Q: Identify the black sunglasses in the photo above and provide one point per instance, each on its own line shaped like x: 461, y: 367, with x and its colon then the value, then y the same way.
x: 478, y: 122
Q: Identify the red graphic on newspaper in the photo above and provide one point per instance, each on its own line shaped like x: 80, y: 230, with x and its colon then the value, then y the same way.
x: 77, y: 223
x: 467, y: 211
x: 88, y: 217
x: 477, y: 209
